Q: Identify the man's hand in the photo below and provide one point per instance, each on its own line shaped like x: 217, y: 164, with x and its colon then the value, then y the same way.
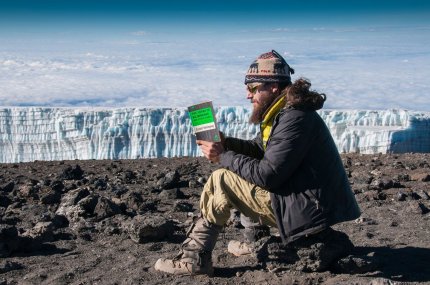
x: 211, y: 150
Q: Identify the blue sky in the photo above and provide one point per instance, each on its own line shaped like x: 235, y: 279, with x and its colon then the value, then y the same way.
x: 362, y: 54
x: 139, y: 7
x: 219, y: 13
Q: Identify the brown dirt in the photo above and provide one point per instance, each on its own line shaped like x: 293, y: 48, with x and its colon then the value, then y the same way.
x: 107, y: 222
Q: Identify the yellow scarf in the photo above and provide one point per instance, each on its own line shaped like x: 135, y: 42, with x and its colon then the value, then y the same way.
x: 268, y: 118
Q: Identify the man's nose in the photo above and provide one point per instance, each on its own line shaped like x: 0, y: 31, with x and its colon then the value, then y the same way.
x: 249, y: 95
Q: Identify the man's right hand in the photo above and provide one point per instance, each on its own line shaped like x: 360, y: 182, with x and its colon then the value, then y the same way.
x: 211, y: 150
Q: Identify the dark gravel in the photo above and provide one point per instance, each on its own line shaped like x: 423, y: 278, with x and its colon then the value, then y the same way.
x: 107, y: 222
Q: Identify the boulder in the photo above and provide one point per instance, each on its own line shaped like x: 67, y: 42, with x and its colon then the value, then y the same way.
x: 150, y: 228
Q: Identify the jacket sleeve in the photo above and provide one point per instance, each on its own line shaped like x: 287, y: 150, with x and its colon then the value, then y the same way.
x: 288, y: 144
x: 252, y: 148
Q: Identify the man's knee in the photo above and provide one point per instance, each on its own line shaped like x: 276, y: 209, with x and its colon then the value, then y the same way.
x: 220, y: 194
x: 221, y: 174
x: 224, y: 178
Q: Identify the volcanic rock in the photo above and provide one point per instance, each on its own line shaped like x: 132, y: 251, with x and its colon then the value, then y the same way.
x: 72, y: 173
x: 105, y: 208
x: 6, y: 266
x: 9, y: 240
x: 169, y: 180
x: 8, y: 187
x: 42, y: 231
x: 108, y: 221
x: 171, y: 194
x: 150, y: 228
x: 357, y: 264
x: 313, y: 254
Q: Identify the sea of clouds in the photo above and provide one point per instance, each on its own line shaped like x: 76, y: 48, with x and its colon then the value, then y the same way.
x: 358, y: 68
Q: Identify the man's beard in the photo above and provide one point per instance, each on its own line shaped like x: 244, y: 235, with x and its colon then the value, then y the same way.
x: 259, y: 110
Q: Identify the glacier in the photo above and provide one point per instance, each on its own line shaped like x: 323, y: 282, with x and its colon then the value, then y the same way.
x: 39, y: 133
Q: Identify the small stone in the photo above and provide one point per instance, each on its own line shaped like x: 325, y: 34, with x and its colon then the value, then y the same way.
x: 370, y: 235
x: 192, y: 184
x: 403, y: 177
x: 171, y: 194
x: 168, y: 181
x: 423, y: 208
x: 401, y: 196
x: 357, y: 264
x: 201, y: 180
x: 182, y: 206
x: 398, y: 165
x: 381, y: 184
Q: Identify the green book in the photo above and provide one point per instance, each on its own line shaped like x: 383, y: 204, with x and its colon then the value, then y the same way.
x: 203, y: 121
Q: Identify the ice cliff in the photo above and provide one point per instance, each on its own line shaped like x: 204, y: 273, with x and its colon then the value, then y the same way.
x: 28, y: 134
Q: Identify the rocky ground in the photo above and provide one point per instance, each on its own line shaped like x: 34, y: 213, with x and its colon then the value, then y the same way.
x: 107, y: 222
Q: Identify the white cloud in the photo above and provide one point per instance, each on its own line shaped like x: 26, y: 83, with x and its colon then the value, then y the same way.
x: 357, y: 70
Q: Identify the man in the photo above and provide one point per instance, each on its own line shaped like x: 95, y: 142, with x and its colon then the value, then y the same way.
x: 290, y: 176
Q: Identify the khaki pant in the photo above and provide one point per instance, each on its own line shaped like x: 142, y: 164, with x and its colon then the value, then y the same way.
x: 225, y: 190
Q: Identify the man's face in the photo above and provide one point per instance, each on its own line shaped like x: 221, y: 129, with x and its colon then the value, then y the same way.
x: 261, y: 96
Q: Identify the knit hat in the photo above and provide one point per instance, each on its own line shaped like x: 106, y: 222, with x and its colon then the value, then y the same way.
x: 269, y: 67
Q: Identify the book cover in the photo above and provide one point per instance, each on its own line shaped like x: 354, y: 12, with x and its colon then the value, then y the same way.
x: 203, y: 121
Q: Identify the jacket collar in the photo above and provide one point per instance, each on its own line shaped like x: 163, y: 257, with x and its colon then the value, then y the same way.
x: 274, y: 109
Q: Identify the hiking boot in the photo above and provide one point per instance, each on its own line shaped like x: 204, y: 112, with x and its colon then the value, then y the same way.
x: 251, y: 234
x: 187, y: 263
x: 196, y: 254
x: 238, y: 248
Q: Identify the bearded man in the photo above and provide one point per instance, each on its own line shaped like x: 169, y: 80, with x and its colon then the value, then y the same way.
x: 290, y: 177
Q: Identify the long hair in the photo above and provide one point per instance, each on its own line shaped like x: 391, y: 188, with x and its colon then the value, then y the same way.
x: 299, y: 95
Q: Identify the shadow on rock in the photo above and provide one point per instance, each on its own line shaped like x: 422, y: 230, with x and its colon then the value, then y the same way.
x: 34, y: 242
x: 315, y: 253
x: 409, y: 264
x: 43, y: 249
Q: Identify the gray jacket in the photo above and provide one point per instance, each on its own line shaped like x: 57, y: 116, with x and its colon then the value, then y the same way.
x: 302, y: 169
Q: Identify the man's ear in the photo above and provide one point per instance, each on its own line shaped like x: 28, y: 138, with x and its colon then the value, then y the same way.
x: 274, y: 87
